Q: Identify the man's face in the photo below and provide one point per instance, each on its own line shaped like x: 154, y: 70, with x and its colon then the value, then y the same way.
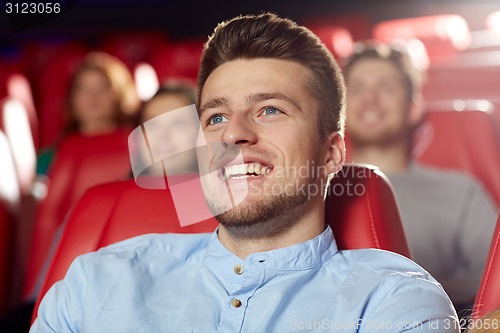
x: 377, y: 103
x: 263, y: 108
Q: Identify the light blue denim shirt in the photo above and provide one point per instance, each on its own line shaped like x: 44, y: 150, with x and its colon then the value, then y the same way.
x: 192, y: 283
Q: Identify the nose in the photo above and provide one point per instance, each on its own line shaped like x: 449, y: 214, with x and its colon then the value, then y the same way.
x: 369, y: 95
x: 240, y: 131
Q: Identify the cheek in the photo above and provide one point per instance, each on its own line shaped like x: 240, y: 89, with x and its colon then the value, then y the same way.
x: 79, y: 100
x: 352, y: 101
x: 299, y: 147
x: 111, y: 99
x: 213, y: 135
x: 399, y: 111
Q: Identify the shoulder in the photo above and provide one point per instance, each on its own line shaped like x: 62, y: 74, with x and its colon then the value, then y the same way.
x: 451, y: 177
x: 379, y: 271
x: 430, y: 184
x: 381, y: 263
x: 393, y: 286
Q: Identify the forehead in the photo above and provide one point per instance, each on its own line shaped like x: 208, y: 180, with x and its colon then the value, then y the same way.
x: 91, y: 75
x: 164, y: 103
x: 244, y: 77
x: 167, y: 99
x: 368, y: 69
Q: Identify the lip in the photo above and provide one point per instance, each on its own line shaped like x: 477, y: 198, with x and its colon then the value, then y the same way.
x: 249, y: 159
x: 370, y: 116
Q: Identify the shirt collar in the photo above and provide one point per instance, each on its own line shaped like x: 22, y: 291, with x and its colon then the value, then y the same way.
x: 299, y: 256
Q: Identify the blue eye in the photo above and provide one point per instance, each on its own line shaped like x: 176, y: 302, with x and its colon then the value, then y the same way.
x: 217, y: 119
x: 270, y: 111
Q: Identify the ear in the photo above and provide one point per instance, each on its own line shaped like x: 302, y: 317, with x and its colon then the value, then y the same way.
x: 417, y: 109
x: 335, y: 154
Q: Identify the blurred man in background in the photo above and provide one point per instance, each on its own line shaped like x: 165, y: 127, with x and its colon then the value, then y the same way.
x: 447, y: 216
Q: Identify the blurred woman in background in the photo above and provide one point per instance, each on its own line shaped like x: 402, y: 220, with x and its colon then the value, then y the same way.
x: 100, y: 106
x: 101, y: 99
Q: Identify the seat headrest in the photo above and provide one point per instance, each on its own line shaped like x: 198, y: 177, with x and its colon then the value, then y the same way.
x: 362, y: 211
x: 441, y: 34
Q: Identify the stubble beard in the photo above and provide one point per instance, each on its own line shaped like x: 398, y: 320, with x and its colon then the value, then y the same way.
x: 269, y: 216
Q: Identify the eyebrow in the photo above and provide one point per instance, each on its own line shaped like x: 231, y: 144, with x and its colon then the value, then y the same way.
x: 252, y: 98
x: 267, y: 96
x: 214, y: 103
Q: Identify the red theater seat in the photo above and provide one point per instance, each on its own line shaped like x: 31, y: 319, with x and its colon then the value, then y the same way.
x: 6, y: 254
x: 133, y: 47
x: 462, y: 141
x: 441, y: 34
x: 488, y: 296
x: 14, y: 84
x: 360, y: 208
x: 81, y: 162
x: 178, y: 60
x: 337, y: 39
x: 362, y: 211
x: 358, y: 25
x: 467, y: 76
x: 14, y: 121
x: 9, y: 204
x: 51, y: 84
x: 10, y: 192
x: 493, y: 21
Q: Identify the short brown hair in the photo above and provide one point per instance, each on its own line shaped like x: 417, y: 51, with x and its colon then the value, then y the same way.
x: 121, y: 82
x: 397, y: 56
x: 269, y: 36
x: 177, y: 89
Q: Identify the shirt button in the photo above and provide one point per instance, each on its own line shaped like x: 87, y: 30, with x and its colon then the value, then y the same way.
x: 235, y: 303
x: 238, y: 269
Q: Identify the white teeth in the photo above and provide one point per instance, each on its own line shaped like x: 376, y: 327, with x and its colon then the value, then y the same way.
x: 236, y: 171
x: 371, y: 116
x: 257, y: 168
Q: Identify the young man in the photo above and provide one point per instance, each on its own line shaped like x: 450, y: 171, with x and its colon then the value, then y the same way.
x: 447, y: 217
x: 272, y: 265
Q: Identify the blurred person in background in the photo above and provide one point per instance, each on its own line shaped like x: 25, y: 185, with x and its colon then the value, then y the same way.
x: 447, y: 216
x: 171, y: 135
x: 101, y: 104
x: 100, y: 99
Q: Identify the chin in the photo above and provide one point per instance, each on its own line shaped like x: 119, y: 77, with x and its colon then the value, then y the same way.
x: 263, y: 218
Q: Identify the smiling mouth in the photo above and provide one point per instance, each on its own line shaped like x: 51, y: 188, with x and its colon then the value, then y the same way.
x: 371, y: 116
x: 245, y: 170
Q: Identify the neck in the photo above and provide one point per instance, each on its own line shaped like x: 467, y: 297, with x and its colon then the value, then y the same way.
x: 309, y: 225
x: 389, y: 158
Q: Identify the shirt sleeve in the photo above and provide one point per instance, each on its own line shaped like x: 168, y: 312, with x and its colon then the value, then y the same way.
x: 62, y: 307
x: 413, y: 304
